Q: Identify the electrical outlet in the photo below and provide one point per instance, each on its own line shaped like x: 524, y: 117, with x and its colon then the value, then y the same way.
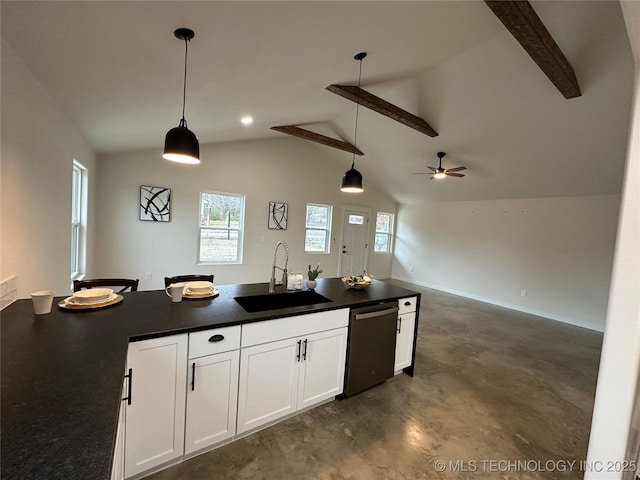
x: 523, y: 293
x: 411, y: 268
x: 148, y: 275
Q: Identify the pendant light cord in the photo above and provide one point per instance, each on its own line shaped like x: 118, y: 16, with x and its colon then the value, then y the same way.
x: 184, y: 83
x: 355, y: 133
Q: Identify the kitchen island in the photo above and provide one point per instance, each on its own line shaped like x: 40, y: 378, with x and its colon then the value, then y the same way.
x: 62, y: 373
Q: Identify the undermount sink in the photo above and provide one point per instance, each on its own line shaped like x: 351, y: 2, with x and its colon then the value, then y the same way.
x: 275, y: 301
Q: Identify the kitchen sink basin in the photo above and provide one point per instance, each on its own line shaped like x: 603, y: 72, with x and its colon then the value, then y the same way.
x: 274, y: 301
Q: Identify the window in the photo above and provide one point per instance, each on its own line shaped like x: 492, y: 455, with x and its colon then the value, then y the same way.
x: 318, y: 228
x: 384, y: 232
x: 221, y: 227
x: 78, y: 219
x: 356, y: 219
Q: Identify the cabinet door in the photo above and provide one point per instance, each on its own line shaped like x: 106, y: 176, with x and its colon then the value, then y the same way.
x: 322, y: 366
x: 268, y: 382
x: 117, y: 464
x: 212, y: 397
x: 155, y: 417
x: 404, y: 341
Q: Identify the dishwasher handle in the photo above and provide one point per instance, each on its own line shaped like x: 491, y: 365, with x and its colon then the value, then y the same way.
x: 377, y: 313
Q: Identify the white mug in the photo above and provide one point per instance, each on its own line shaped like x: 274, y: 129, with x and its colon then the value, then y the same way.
x: 42, y: 301
x: 175, y: 291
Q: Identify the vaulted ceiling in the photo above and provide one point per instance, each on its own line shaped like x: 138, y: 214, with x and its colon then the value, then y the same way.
x: 116, y: 69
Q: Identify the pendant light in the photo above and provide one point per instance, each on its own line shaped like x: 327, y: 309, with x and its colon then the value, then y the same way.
x: 352, y: 179
x: 181, y: 144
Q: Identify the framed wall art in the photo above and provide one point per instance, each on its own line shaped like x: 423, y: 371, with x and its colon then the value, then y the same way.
x: 278, y: 213
x: 155, y: 204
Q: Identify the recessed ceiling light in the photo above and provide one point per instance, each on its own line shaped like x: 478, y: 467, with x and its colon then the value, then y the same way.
x: 246, y: 120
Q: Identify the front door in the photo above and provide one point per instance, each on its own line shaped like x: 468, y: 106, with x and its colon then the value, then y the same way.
x: 353, y: 257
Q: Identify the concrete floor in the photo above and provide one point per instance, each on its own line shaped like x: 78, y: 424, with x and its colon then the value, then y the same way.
x: 492, y: 387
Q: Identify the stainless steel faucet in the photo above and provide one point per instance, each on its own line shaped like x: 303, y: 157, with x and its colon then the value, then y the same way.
x: 272, y: 281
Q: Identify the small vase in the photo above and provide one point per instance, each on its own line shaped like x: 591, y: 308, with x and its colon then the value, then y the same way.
x: 311, y: 284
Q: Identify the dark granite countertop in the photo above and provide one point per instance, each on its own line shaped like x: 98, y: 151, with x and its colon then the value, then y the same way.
x: 62, y: 373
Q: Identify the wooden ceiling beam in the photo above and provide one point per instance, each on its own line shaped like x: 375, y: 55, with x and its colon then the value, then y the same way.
x: 318, y: 138
x: 524, y: 24
x: 377, y: 104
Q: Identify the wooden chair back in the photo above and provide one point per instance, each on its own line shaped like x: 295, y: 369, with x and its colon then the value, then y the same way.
x: 187, y: 278
x: 107, y: 282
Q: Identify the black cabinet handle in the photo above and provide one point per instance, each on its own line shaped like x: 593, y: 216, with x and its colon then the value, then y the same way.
x: 216, y: 338
x: 407, y: 303
x: 193, y: 376
x: 399, y: 324
x: 304, y: 353
x: 299, y: 348
x: 128, y: 376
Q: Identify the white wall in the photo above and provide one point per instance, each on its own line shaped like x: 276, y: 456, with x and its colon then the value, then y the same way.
x: 614, y: 437
x: 39, y: 144
x: 559, y: 250
x: 284, y: 170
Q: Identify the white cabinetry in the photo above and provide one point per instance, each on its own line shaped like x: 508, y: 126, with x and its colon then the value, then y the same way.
x: 212, y: 389
x: 117, y: 465
x: 405, y: 329
x: 155, y: 415
x: 289, y: 364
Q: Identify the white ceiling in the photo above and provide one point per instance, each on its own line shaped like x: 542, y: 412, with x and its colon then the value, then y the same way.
x: 116, y: 69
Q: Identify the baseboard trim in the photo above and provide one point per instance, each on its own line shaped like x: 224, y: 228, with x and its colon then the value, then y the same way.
x: 492, y: 301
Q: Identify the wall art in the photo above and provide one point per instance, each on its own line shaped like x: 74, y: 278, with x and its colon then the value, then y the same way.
x: 278, y: 215
x: 155, y: 204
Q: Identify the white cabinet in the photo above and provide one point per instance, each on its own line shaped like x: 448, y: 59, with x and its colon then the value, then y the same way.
x: 268, y: 383
x: 404, y: 341
x: 303, y: 367
x: 212, y: 389
x: 322, y: 366
x: 405, y: 329
x: 117, y: 465
x: 155, y: 415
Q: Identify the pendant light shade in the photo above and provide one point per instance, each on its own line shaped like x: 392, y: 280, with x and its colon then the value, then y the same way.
x: 180, y: 143
x: 352, y: 179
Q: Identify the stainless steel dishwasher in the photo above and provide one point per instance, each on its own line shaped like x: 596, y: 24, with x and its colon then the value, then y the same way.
x: 371, y: 348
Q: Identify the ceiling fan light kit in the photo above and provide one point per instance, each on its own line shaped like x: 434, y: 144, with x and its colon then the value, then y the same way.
x: 352, y: 179
x: 439, y: 173
x: 181, y: 144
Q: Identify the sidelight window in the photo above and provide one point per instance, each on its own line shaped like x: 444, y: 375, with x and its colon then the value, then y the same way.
x: 384, y: 232
x: 221, y: 227
x: 78, y: 220
x: 318, y: 228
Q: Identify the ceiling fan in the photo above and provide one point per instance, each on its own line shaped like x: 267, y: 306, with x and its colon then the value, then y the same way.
x: 442, y: 172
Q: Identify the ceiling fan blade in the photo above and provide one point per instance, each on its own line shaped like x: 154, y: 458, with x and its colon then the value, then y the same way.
x: 433, y: 169
x: 432, y: 178
x: 454, y: 174
x: 456, y: 169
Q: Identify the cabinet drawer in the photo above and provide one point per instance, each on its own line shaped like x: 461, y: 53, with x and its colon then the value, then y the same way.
x: 289, y: 327
x: 406, y: 305
x: 208, y: 342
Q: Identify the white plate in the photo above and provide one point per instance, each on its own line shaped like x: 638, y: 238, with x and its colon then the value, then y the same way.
x: 199, y: 287
x: 92, y: 295
x: 211, y: 293
x: 74, y: 301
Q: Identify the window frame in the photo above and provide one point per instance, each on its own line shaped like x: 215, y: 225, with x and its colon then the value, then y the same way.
x: 388, y: 234
x: 79, y: 204
x: 327, y: 229
x: 240, y: 230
